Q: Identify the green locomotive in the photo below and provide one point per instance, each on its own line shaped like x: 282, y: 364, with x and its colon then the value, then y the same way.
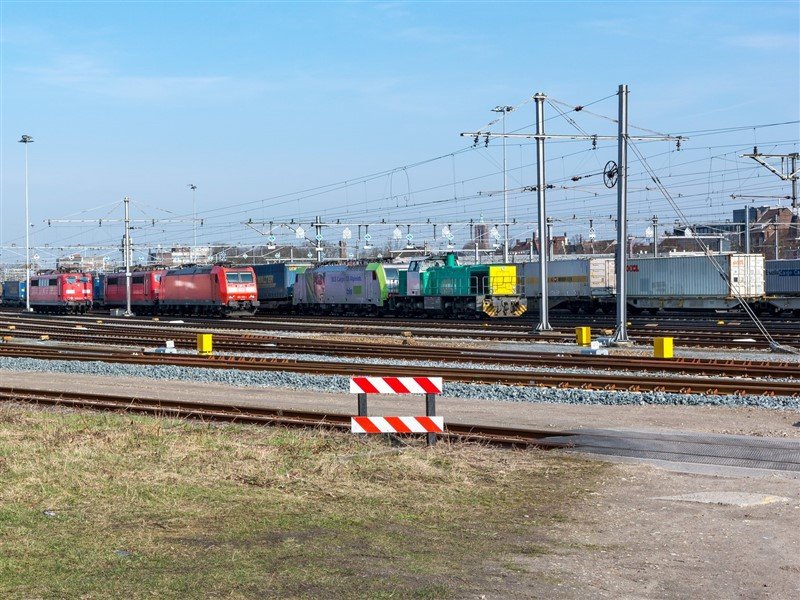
x: 449, y: 289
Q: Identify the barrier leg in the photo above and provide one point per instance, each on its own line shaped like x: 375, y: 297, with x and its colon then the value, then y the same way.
x: 362, y: 405
x: 430, y: 411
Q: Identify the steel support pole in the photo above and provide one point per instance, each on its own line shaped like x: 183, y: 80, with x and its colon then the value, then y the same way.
x: 655, y: 236
x: 621, y: 333
x: 126, y: 248
x: 505, y: 194
x: 746, y: 229
x: 318, y: 229
x: 544, y: 323
x: 777, y: 246
x: 795, y: 208
x: 27, y: 235
x: 430, y: 411
x: 194, y: 222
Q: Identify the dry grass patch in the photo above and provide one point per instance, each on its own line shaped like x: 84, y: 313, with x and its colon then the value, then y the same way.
x: 99, y: 505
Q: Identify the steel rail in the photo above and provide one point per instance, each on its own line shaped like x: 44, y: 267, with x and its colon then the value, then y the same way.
x: 594, y: 381
x: 740, y: 451
x: 710, y: 337
x: 247, y: 414
x: 293, y: 345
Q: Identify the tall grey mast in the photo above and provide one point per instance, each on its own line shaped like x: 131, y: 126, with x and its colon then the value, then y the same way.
x: 26, y: 139
x: 504, y: 110
x: 126, y: 250
x: 544, y: 322
x: 621, y: 332
x: 193, y: 187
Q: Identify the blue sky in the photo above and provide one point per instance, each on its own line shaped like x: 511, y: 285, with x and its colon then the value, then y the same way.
x: 254, y: 100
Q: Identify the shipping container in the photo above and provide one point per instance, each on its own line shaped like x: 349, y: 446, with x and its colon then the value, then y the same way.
x: 275, y: 284
x: 587, y: 283
x: 695, y: 281
x: 13, y: 293
x: 783, y: 285
x: 783, y: 277
x: 572, y: 278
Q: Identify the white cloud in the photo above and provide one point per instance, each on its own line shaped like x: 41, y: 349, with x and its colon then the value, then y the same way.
x: 85, y: 74
x: 765, y: 41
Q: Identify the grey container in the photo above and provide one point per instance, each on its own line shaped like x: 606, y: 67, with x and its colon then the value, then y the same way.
x: 695, y: 276
x: 572, y: 278
x: 783, y: 277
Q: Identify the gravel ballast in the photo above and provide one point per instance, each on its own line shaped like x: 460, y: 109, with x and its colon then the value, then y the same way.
x: 338, y: 383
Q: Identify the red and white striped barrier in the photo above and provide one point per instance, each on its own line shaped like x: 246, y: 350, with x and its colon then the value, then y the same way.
x: 397, y: 424
x: 396, y: 385
x: 429, y: 424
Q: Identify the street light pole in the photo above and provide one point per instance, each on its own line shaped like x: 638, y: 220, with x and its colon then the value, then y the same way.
x: 504, y: 110
x: 26, y: 139
x: 193, y: 187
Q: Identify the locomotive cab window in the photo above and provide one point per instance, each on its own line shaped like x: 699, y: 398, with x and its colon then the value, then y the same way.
x: 138, y: 279
x: 34, y: 283
x: 72, y: 279
x: 246, y: 277
x: 232, y: 277
x: 54, y: 282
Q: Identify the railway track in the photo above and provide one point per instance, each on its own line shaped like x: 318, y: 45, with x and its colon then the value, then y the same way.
x: 526, y: 358
x: 231, y: 413
x: 725, y: 450
x: 596, y: 381
x: 505, y: 331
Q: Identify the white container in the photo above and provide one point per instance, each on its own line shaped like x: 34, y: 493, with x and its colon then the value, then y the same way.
x: 696, y: 276
x: 783, y: 277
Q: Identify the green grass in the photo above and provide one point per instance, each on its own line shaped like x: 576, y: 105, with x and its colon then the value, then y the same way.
x: 145, y: 507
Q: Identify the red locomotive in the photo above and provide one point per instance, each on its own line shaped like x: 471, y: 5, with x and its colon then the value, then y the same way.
x: 145, y: 290
x: 61, y: 292
x: 216, y: 290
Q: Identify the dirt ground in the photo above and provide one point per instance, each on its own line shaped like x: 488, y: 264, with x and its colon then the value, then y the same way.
x: 628, y: 542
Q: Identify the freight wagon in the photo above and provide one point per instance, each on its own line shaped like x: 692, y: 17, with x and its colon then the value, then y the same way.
x: 98, y: 289
x: 214, y: 290
x: 14, y: 293
x: 145, y: 288
x: 587, y: 283
x: 275, y: 283
x: 61, y: 293
x: 693, y: 281
x: 783, y: 284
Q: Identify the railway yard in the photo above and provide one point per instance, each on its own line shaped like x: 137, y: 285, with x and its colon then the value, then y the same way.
x: 705, y: 442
